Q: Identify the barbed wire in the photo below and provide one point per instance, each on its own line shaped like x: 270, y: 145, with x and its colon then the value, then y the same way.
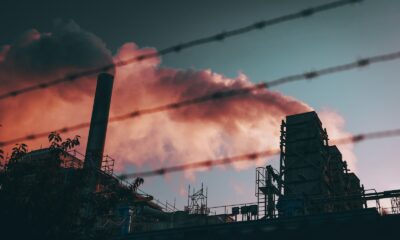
x: 367, y: 136
x: 255, y: 155
x: 180, y: 47
x: 218, y: 95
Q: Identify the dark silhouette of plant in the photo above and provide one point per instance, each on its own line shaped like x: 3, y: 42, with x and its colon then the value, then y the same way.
x: 138, y: 181
x: 57, y: 143
x: 70, y: 143
x: 1, y: 151
x: 55, y: 140
x: 48, y: 201
x: 48, y: 196
x: 2, y: 163
x: 17, y: 152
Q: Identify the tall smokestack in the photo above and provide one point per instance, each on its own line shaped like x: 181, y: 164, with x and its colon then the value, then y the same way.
x: 99, y: 122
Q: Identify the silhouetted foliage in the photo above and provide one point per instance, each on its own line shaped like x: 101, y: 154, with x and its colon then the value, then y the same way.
x: 1, y: 156
x: 57, y: 143
x: 138, y: 181
x: 17, y: 152
x: 39, y: 199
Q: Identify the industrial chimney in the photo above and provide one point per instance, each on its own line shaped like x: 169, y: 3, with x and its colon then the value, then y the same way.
x: 99, y: 122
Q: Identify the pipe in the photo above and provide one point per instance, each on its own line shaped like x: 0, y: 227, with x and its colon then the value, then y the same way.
x: 99, y: 121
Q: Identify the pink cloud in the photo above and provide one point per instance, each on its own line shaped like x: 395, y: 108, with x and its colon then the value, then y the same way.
x: 216, y: 129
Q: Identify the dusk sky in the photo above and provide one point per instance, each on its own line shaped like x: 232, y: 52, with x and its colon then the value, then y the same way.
x: 366, y: 99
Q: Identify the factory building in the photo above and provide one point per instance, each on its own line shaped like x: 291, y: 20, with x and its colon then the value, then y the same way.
x: 312, y: 170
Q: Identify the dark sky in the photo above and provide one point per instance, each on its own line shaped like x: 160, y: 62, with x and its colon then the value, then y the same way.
x: 147, y: 22
x: 368, y: 99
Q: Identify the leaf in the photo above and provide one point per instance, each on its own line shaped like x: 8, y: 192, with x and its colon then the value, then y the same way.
x: 76, y: 140
x: 58, y: 138
x: 51, y: 136
x: 23, y: 148
x: 66, y: 145
x: 138, y: 181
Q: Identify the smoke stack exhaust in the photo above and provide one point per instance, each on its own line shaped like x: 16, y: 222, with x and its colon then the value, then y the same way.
x: 99, y: 121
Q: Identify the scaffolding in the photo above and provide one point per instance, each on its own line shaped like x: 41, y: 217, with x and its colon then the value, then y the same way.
x: 261, y: 198
x: 309, y: 170
x: 107, y: 165
x: 304, y: 165
x: 72, y: 159
x: 197, y: 201
x: 267, y: 191
x: 395, y: 202
x: 282, y: 147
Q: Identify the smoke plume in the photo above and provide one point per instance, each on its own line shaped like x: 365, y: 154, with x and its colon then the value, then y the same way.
x: 238, y: 125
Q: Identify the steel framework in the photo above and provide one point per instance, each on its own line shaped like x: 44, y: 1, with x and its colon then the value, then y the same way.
x: 197, y: 201
x: 267, y: 191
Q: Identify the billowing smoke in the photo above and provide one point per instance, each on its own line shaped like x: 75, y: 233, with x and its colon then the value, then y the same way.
x: 40, y: 57
x: 241, y: 124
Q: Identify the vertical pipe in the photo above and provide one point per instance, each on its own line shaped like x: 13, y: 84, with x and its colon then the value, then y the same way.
x: 188, y: 195
x: 270, y: 193
x: 99, y: 121
x: 97, y: 136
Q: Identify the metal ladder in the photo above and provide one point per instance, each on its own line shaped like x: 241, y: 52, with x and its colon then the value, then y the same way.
x: 261, y: 198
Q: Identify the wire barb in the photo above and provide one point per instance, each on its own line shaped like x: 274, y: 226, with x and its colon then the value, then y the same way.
x: 254, y: 156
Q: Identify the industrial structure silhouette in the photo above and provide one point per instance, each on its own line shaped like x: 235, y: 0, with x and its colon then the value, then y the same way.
x: 60, y: 193
x: 313, y: 190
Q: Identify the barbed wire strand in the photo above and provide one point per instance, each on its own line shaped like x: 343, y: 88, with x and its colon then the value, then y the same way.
x: 180, y: 47
x: 218, y: 95
x: 255, y: 155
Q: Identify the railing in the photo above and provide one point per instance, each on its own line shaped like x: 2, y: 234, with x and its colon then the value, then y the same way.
x: 394, y: 196
x: 395, y: 202
x: 108, y: 168
x: 107, y: 165
x: 377, y: 202
x: 227, y: 210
